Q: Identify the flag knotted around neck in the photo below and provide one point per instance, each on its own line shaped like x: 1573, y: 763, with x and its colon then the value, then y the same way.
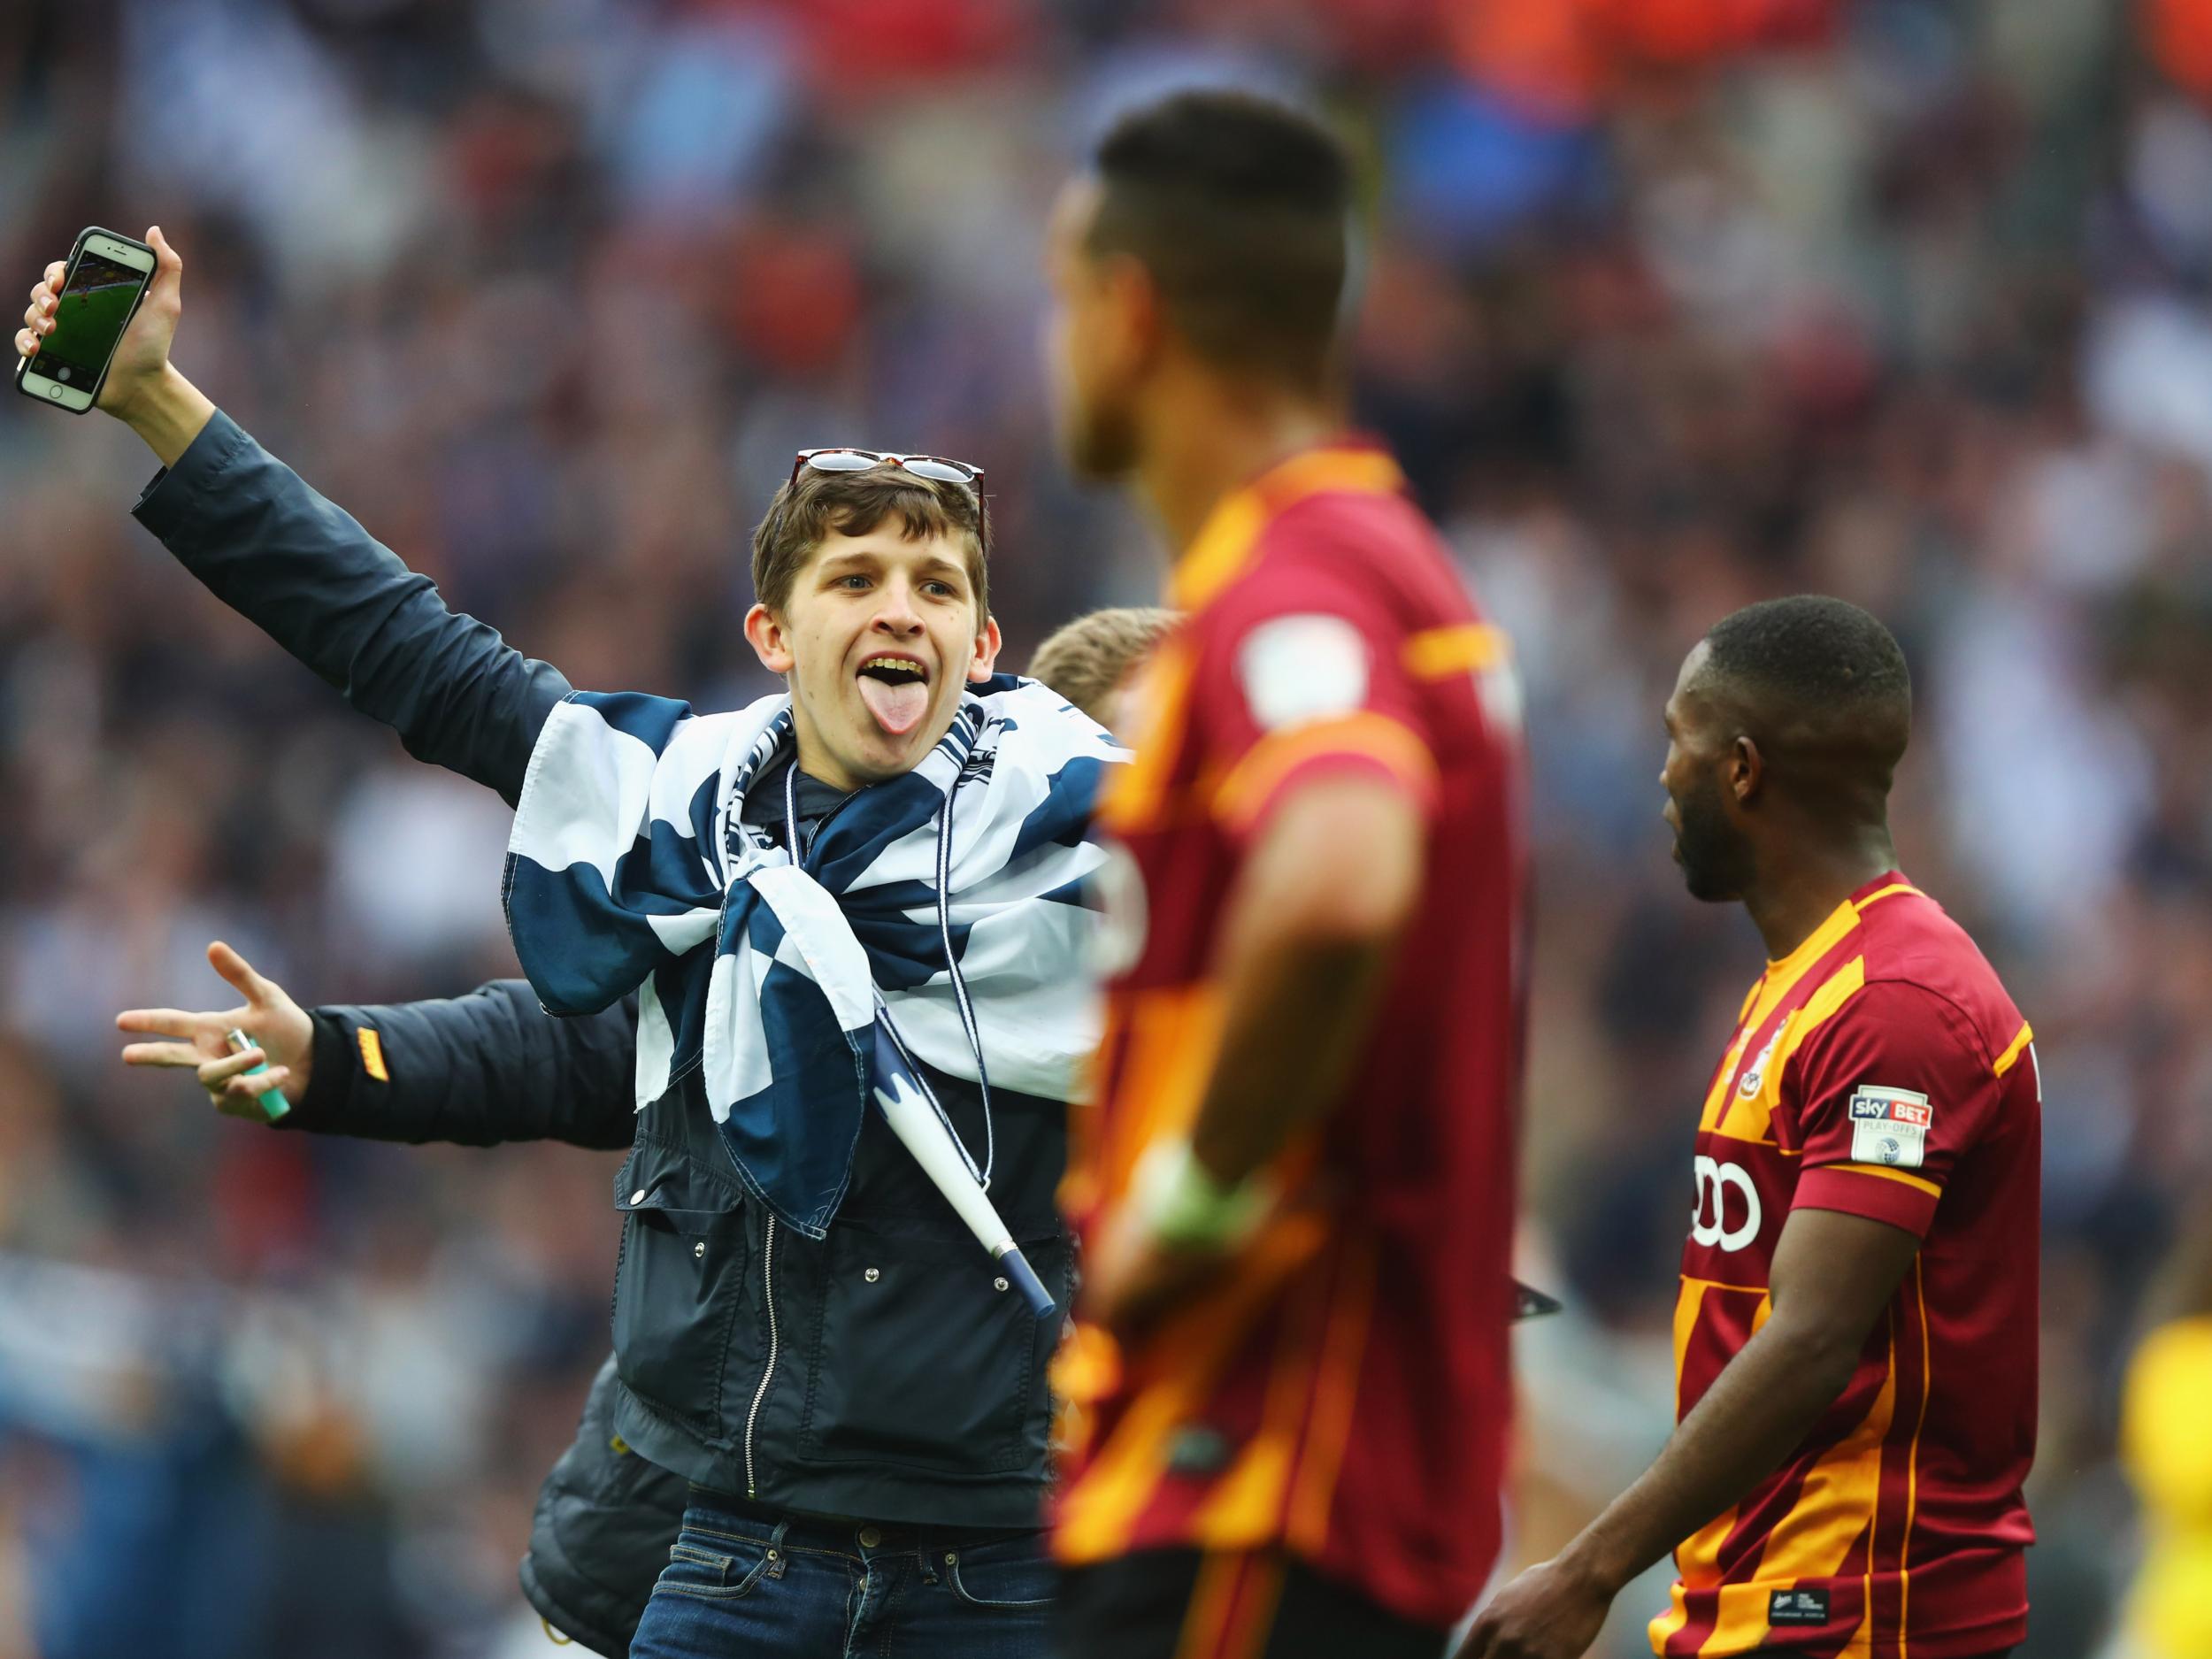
x: 948, y: 900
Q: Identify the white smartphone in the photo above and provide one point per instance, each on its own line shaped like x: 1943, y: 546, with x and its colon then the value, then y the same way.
x: 100, y: 290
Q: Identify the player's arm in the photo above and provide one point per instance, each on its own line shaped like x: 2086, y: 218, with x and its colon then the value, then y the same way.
x: 1326, y: 891
x: 1832, y: 1276
x: 1327, y: 785
x: 478, y: 1069
x: 301, y: 569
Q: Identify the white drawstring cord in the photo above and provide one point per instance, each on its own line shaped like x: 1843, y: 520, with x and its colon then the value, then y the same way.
x: 960, y: 982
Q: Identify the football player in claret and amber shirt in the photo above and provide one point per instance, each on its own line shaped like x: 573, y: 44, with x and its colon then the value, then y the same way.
x: 1288, y: 1387
x: 1856, y: 1332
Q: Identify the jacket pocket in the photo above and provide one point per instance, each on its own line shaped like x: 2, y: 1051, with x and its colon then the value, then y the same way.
x: 918, y: 1358
x: 679, y: 1281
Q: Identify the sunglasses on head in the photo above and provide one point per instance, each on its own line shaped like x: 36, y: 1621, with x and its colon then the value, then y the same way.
x: 937, y: 468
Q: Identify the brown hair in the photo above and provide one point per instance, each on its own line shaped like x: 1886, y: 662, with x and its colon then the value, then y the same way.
x: 816, y: 503
x: 1085, y: 660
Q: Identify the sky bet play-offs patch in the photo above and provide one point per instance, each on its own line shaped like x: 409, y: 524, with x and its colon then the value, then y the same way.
x: 1890, y: 1126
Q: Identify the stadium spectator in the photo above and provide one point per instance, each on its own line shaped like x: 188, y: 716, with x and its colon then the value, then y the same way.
x: 921, y: 1421
x: 493, y: 1067
x: 1094, y: 660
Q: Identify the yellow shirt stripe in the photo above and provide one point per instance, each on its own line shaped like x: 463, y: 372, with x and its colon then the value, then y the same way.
x: 1467, y: 648
x: 1782, y: 977
x: 1098, y: 1512
x: 1223, y: 547
x: 1880, y: 893
x: 1836, y: 1503
x: 1136, y: 794
x: 2010, y: 1057
x: 1336, y: 1392
x: 1390, y: 744
x: 1751, y: 1117
x: 1912, y: 1461
x: 1882, y: 1171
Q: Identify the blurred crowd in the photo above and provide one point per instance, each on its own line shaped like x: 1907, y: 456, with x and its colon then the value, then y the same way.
x: 1900, y: 300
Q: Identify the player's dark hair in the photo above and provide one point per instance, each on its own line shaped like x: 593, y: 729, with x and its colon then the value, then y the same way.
x: 1813, y: 651
x: 1240, y: 208
x: 1818, y: 678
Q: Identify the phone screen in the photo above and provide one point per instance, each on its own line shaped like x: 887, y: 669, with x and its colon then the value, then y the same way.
x: 93, y: 310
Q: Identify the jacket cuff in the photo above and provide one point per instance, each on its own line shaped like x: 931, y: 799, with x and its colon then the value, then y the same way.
x: 168, y: 504
x: 329, y: 1098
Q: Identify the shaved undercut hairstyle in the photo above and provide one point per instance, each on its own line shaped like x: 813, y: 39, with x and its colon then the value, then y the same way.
x: 1819, y: 682
x: 1240, y: 208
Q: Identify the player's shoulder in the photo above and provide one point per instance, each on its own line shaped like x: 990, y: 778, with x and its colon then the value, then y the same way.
x: 1371, y: 559
x: 1334, y: 532
x: 1920, y: 966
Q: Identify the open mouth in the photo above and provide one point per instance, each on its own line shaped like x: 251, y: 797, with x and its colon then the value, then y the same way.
x: 895, y: 687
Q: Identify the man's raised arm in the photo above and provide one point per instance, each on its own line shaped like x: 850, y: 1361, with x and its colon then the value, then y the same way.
x: 303, y: 570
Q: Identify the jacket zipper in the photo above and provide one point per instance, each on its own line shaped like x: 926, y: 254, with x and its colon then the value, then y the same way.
x: 768, y: 1292
x: 768, y: 1245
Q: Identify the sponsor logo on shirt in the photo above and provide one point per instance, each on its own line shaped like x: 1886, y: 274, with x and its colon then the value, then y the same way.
x: 1710, y: 1215
x: 1890, y: 1126
x: 1797, y: 1607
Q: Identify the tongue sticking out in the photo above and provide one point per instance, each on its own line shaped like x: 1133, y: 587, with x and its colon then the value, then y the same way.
x: 898, y: 708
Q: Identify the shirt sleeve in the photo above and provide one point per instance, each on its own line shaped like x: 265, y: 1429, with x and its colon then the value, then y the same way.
x: 1309, y: 680
x: 1896, y: 1087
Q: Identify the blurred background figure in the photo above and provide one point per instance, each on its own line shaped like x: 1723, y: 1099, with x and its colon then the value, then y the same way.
x: 1672, y: 304
x: 2166, y: 1439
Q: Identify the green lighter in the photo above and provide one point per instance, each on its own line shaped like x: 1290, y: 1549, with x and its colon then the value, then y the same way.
x: 273, y: 1105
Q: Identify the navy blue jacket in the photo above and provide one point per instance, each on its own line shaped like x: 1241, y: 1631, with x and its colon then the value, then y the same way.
x: 881, y: 1372
x: 478, y: 1070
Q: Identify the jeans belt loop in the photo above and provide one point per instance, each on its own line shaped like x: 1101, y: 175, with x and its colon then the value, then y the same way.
x: 778, y: 1557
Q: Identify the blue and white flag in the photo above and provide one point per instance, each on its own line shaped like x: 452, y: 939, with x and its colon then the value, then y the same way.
x: 947, y: 901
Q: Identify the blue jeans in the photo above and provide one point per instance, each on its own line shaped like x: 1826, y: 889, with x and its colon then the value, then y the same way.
x: 745, y: 1583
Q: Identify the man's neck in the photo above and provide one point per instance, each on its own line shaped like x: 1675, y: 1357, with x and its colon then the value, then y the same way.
x: 1788, y: 902
x: 1219, y: 435
x: 814, y: 764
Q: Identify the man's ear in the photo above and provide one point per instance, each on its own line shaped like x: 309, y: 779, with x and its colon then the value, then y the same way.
x: 1140, y: 318
x: 1746, y: 770
x: 767, y: 638
x: 986, y: 648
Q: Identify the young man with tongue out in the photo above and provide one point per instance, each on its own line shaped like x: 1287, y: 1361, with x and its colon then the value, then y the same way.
x: 804, y: 1328
x: 870, y: 616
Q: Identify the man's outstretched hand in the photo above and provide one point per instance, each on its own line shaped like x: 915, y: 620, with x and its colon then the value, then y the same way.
x: 281, y: 1028
x: 1548, y: 1612
x: 143, y: 390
